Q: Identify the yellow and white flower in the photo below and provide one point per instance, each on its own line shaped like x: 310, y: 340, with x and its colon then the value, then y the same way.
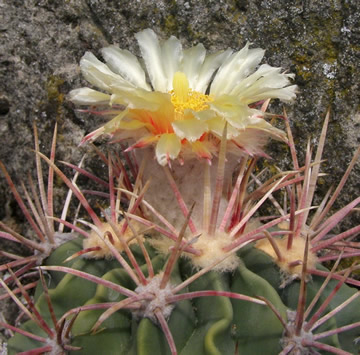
x: 182, y: 99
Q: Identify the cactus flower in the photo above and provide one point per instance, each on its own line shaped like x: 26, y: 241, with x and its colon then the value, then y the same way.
x: 181, y: 99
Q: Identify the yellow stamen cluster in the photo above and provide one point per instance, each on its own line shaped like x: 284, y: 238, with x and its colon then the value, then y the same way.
x: 182, y: 97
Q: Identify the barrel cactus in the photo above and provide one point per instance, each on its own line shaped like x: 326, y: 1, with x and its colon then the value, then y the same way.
x: 177, y: 254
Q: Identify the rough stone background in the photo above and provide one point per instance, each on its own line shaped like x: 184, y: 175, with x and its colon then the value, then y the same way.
x: 42, y: 42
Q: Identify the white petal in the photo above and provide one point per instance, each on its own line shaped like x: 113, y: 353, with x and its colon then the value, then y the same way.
x: 216, y: 126
x: 126, y: 64
x: 211, y: 63
x: 255, y: 136
x: 266, y: 82
x: 205, y: 115
x: 191, y: 129
x: 272, y: 74
x: 131, y: 125
x: 232, y: 110
x: 99, y: 74
x: 192, y: 61
x: 151, y: 52
x: 168, y: 147
x: 263, y: 70
x: 236, y: 68
x: 113, y: 124
x: 171, y: 51
x: 142, y: 99
x: 285, y: 94
x: 86, y: 96
x: 250, y: 141
x: 263, y: 126
x: 273, y: 77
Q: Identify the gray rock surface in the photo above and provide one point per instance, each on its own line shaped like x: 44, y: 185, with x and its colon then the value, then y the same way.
x: 42, y: 42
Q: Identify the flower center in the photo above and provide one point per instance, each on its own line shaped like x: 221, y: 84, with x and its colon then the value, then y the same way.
x: 182, y: 97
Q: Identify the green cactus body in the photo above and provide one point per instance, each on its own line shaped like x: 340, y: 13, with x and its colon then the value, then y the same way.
x: 263, y: 266
x: 203, y: 325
